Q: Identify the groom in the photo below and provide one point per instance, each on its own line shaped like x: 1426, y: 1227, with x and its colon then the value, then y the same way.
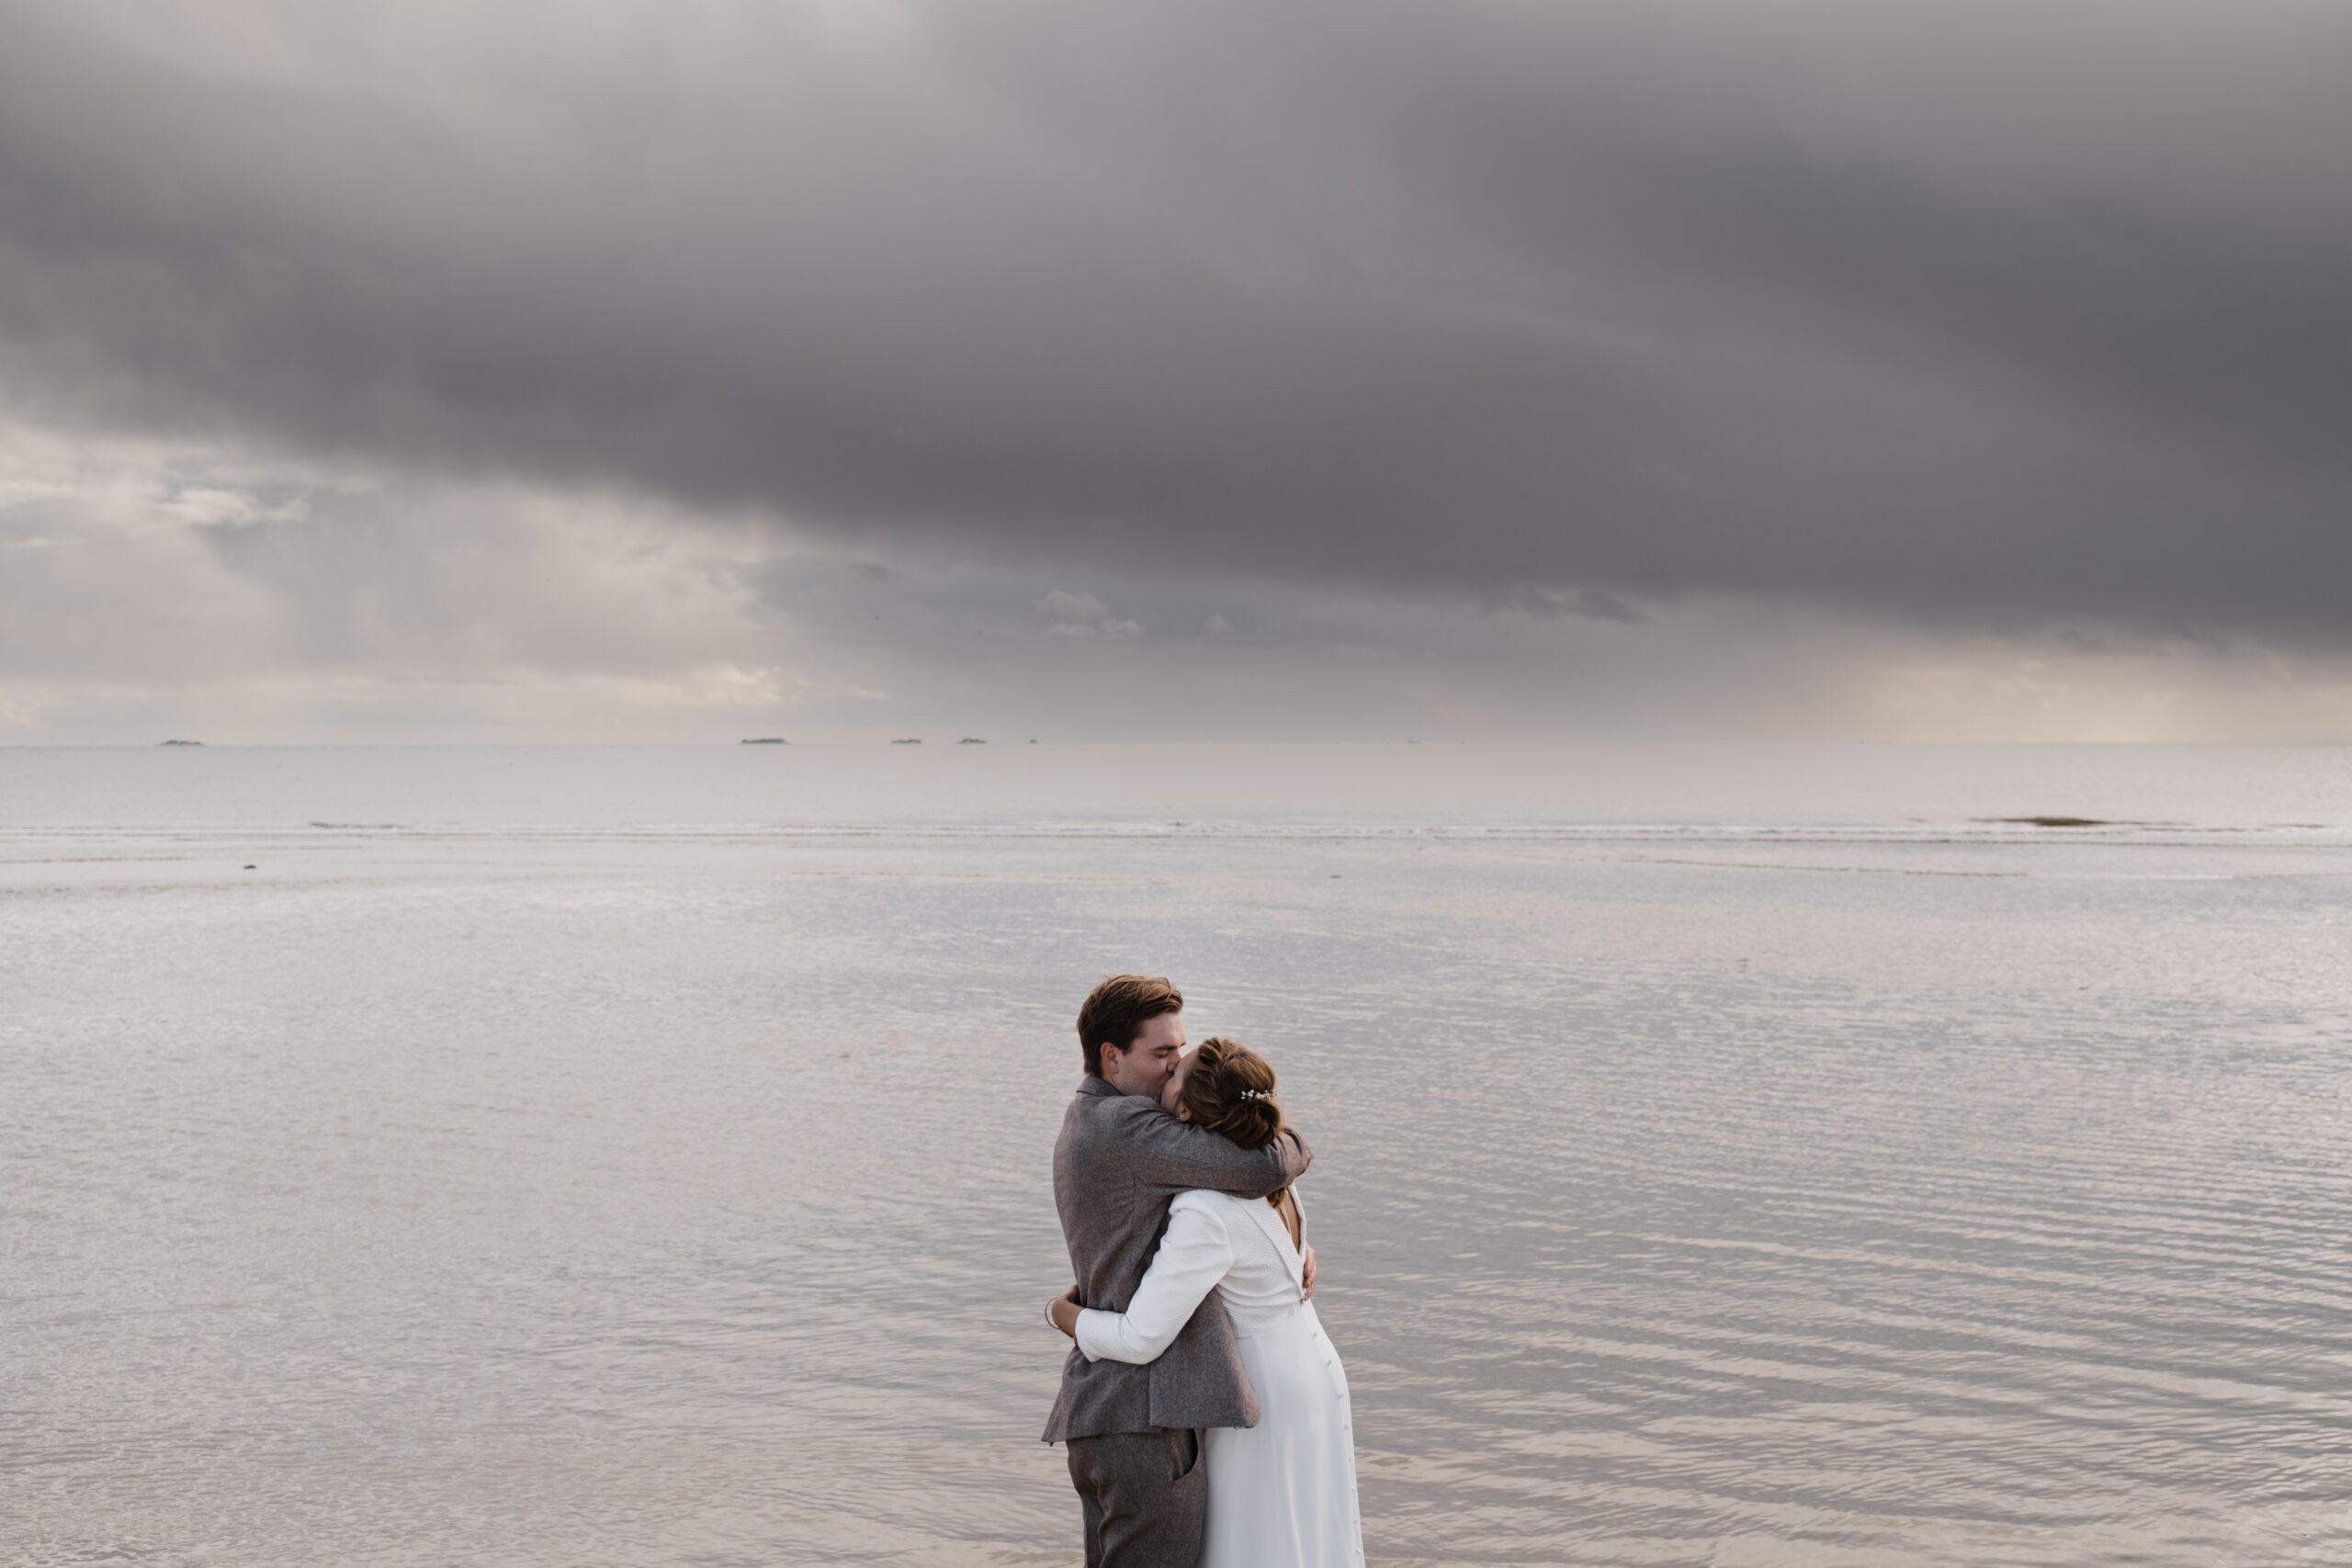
x: 1134, y: 1431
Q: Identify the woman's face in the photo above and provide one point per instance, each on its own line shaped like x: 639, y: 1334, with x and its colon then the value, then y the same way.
x: 1174, y: 1087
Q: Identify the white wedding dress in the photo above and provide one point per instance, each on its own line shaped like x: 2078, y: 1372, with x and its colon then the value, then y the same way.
x: 1282, y: 1494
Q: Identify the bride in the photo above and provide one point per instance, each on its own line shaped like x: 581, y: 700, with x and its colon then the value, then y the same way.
x: 1282, y: 1494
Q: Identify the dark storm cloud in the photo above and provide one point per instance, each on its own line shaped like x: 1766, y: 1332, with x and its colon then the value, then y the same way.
x: 1980, y: 312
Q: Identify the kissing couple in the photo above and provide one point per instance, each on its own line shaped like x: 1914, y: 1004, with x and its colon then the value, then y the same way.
x: 1205, y: 1413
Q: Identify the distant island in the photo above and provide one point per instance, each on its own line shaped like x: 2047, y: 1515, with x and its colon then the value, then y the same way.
x: 179, y: 742
x: 911, y: 742
x: 764, y: 740
x: 971, y: 741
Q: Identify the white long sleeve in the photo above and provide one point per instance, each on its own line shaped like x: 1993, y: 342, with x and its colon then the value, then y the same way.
x: 1193, y: 1256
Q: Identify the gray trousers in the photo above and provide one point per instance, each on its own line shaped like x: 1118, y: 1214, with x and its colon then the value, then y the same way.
x: 1144, y: 1496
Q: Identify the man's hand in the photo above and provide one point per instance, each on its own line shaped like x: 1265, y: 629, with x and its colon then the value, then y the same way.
x: 1306, y: 1287
x: 1062, y: 1312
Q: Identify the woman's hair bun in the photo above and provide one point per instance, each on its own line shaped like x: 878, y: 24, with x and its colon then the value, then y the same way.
x: 1230, y: 1088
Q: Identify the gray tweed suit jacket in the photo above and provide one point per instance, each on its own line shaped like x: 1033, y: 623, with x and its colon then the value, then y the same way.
x: 1118, y: 1163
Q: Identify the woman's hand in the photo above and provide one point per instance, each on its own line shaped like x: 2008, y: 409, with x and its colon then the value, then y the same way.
x: 1062, y: 1312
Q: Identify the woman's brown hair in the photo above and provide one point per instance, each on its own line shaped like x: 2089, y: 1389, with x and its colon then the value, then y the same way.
x: 1230, y: 1088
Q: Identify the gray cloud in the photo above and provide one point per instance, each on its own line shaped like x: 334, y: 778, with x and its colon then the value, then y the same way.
x: 1988, y: 314
x: 155, y: 588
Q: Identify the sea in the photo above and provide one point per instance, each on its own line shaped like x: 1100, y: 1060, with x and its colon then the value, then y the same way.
x: 1829, y: 1155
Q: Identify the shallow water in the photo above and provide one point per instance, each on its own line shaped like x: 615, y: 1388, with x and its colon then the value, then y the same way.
x: 1724, y: 1154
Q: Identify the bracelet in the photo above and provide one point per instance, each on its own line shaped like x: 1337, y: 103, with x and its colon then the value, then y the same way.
x: 1049, y: 1318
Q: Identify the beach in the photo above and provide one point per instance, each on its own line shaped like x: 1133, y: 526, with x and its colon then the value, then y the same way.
x: 1731, y: 1155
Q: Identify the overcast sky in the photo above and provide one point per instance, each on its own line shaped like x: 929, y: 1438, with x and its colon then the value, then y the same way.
x: 1910, y: 369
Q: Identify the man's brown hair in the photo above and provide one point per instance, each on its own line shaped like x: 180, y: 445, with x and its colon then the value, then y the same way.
x: 1116, y: 1010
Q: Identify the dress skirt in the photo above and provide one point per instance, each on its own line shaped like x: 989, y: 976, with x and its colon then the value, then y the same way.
x: 1282, y: 1494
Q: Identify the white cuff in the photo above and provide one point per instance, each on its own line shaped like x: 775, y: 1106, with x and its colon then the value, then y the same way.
x: 1105, y: 1329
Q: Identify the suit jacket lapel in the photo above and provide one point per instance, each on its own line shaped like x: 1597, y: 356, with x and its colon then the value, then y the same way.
x: 1269, y: 1220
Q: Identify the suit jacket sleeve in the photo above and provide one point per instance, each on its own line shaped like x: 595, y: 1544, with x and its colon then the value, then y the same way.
x: 1176, y: 1156
x: 1193, y: 1256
